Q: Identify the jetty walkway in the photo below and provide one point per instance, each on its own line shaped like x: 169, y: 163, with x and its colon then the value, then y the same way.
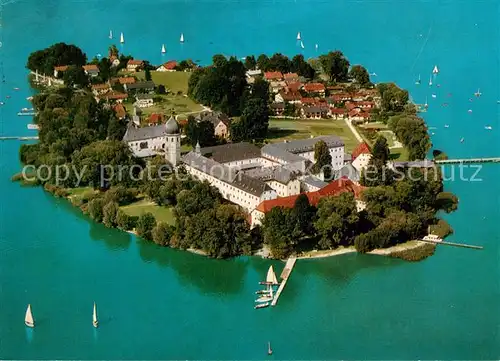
x: 463, y: 245
x: 19, y: 138
x: 468, y: 160
x: 285, y: 274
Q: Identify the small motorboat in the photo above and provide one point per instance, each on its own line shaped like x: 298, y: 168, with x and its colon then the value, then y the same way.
x: 446, y: 126
x: 262, y: 305
x: 498, y: 101
x: 469, y: 111
x: 110, y: 34
x: 433, y: 133
x: 269, y: 349
x: 29, y: 99
x: 462, y: 140
x: 2, y: 103
x: 262, y: 292
x: 488, y: 127
x: 478, y: 93
x: 434, y: 96
x: 7, y: 96
x: 16, y: 88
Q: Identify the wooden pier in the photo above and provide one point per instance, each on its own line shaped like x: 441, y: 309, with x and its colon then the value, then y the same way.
x: 18, y: 138
x: 463, y: 245
x: 468, y: 160
x: 285, y: 274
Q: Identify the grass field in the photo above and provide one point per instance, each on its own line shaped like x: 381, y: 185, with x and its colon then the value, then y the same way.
x: 371, y: 131
x: 178, y: 104
x: 162, y: 214
x: 280, y: 129
x: 174, y: 81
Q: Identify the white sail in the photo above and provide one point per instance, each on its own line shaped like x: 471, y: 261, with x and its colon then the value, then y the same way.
x: 182, y: 38
x: 430, y: 81
x: 163, y: 50
x: 271, y: 276
x: 28, y: 319
x: 435, y: 70
x: 316, y: 46
x: 94, y: 316
x: 298, y: 36
x: 110, y: 34
x: 301, y: 44
x: 122, y: 38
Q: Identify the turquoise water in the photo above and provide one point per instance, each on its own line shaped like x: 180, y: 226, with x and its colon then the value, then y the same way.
x: 157, y: 303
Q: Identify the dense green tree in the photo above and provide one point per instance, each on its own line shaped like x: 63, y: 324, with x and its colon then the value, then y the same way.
x: 253, y: 123
x: 121, y: 195
x: 145, y: 224
x: 162, y: 233
x: 304, y: 215
x: 58, y: 54
x: 380, y: 151
x: 109, y: 214
x: 202, y: 132
x: 360, y: 75
x: 447, y: 202
x: 124, y: 221
x: 219, y: 61
x: 278, y: 229
x: 412, y: 132
x: 147, y: 74
x: 263, y: 62
x: 323, y: 159
x: 301, y: 67
x: 75, y: 76
x: 259, y: 90
x: 250, y: 62
x: 280, y: 62
x: 335, y: 65
x: 201, y: 196
x: 95, y: 209
x: 113, y: 51
x: 394, y: 99
x: 337, y: 221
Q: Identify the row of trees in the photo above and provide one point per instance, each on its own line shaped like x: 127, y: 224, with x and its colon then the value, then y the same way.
x: 280, y: 62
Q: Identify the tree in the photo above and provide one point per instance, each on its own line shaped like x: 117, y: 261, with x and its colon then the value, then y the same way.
x: 304, y: 215
x: 162, y: 233
x: 201, y: 196
x: 145, y: 225
x: 250, y: 62
x: 279, y: 62
x: 58, y: 54
x: 301, y: 67
x: 263, y: 62
x: 323, y: 159
x: 260, y: 90
x: 380, y: 151
x: 124, y: 221
x: 161, y: 89
x: 360, y: 75
x: 219, y: 61
x: 335, y: 65
x: 202, y: 132
x: 147, y: 74
x: 253, y: 123
x: 109, y: 214
x: 104, y: 69
x: 95, y: 209
x: 121, y: 195
x: 113, y: 51
x: 278, y: 228
x: 447, y: 202
x: 75, y: 76
x: 394, y: 99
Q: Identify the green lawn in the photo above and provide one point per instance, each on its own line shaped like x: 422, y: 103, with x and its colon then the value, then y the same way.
x: 79, y: 191
x: 178, y: 104
x: 174, y: 81
x: 280, y: 129
x: 399, y: 154
x: 162, y: 214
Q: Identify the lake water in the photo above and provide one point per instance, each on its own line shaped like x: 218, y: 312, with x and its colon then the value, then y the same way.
x: 157, y: 303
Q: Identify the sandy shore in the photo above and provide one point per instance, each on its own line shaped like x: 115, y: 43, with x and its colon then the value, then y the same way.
x: 327, y: 253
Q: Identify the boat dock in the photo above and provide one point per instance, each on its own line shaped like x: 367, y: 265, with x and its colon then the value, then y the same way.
x: 468, y: 160
x: 463, y: 245
x: 18, y: 138
x: 285, y: 274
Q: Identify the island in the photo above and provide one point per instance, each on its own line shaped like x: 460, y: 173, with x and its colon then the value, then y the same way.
x: 271, y: 155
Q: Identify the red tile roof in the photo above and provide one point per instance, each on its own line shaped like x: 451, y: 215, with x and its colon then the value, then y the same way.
x: 127, y: 80
x: 354, y: 112
x: 155, y: 118
x: 289, y: 76
x: 308, y: 101
x: 61, y: 68
x: 170, y: 65
x: 290, y: 96
x: 90, y: 67
x: 314, y: 87
x: 120, y: 111
x: 337, y: 110
x: 272, y: 75
x: 134, y: 62
x: 114, y: 96
x: 332, y: 189
x: 294, y: 86
x: 100, y: 86
x: 362, y: 148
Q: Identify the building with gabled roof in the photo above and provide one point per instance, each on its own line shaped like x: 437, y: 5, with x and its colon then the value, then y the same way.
x: 361, y: 156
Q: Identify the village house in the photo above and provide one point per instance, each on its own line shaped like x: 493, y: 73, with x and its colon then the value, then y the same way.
x: 283, y: 97
x: 251, y: 75
x: 273, y: 76
x: 114, y: 61
x: 358, y: 115
x: 337, y: 113
x: 59, y: 70
x: 340, y: 97
x: 308, y: 101
x: 361, y: 156
x: 91, y: 70
x: 291, y: 77
x: 315, y: 111
x: 100, y: 88
x: 155, y: 119
x: 160, y: 139
x: 112, y: 96
x: 293, y: 87
x: 315, y: 88
x: 221, y: 123
x: 278, y: 108
x: 134, y: 65
x: 168, y: 66
x: 120, y: 112
x: 144, y: 100
x: 141, y: 86
x: 277, y: 86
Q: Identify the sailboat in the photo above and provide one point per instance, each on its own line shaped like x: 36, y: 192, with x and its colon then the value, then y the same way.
x: 298, y: 36
x: 94, y: 317
x: 271, y: 276
x: 182, y: 38
x: 122, y: 39
x: 28, y: 319
x: 163, y: 50
x: 430, y: 81
x: 435, y: 70
x: 426, y: 105
x: 419, y: 80
x: 110, y: 34
x: 316, y: 46
x: 269, y: 349
x: 301, y: 44
x: 478, y: 93
x: 462, y: 140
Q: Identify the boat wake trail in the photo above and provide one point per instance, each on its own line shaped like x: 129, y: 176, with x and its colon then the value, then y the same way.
x: 421, y: 49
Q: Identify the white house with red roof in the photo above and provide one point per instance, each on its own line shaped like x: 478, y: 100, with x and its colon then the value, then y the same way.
x: 91, y: 70
x: 361, y: 156
x: 134, y: 65
x: 168, y: 66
